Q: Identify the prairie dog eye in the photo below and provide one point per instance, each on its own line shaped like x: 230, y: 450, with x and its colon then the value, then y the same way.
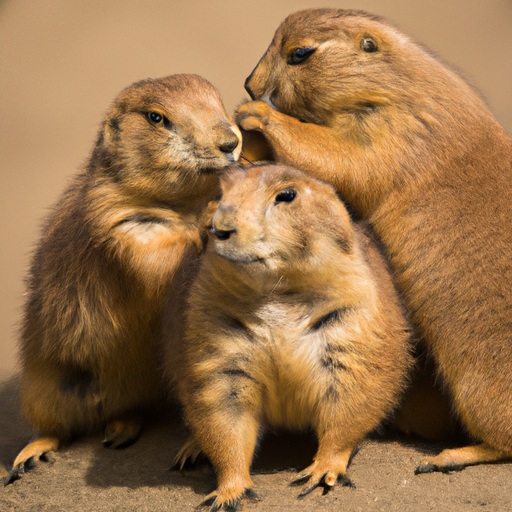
x: 155, y: 117
x: 158, y: 119
x: 300, y: 55
x: 368, y: 45
x: 286, y: 196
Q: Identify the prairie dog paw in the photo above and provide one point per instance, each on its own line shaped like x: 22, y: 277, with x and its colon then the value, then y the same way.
x: 322, y: 475
x: 253, y: 115
x: 227, y: 499
x: 122, y: 433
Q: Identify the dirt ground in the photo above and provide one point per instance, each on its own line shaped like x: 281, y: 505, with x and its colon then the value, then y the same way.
x: 87, y: 476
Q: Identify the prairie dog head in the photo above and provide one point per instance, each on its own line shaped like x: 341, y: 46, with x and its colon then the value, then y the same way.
x: 167, y: 136
x: 275, y: 218
x: 323, y: 62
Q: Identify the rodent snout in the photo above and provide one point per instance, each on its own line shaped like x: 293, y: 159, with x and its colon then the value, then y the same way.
x: 223, y: 225
x: 229, y: 145
x: 228, y: 139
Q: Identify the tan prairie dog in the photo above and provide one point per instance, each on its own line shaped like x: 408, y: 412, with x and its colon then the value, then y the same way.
x: 109, y: 254
x: 347, y: 97
x: 293, y: 322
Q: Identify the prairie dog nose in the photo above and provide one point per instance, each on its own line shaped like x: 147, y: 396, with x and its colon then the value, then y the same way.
x: 223, y: 225
x: 229, y: 138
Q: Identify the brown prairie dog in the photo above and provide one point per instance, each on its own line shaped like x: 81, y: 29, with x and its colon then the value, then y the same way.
x: 293, y: 322
x: 347, y: 97
x: 109, y: 254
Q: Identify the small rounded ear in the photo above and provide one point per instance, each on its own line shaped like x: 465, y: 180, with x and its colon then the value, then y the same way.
x: 256, y: 148
x: 342, y: 228
x: 111, y: 131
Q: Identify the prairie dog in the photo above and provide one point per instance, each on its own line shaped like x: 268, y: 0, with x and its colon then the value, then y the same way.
x: 347, y: 97
x: 293, y: 322
x: 108, y: 256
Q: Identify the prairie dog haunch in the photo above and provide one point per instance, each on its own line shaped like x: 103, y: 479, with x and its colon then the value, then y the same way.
x: 293, y: 322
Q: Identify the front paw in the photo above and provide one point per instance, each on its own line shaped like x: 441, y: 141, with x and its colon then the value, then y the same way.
x: 228, y: 499
x: 321, y: 475
x: 253, y: 115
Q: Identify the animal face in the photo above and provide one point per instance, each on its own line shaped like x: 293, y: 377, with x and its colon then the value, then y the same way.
x: 168, y: 133
x: 323, y: 62
x: 275, y: 218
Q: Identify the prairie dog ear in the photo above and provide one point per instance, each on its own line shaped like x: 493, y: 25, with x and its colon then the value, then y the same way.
x: 111, y: 130
x: 256, y: 148
x: 341, y: 227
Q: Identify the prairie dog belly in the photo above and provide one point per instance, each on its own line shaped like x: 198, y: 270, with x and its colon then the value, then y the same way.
x: 305, y: 349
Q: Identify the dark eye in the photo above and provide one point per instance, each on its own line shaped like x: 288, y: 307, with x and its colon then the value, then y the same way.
x: 155, y: 117
x: 368, y: 45
x: 286, y: 196
x: 158, y: 119
x: 300, y: 55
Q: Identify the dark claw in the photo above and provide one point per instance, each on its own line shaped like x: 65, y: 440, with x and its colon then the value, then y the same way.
x: 307, y: 490
x: 232, y: 506
x: 352, y: 455
x: 433, y: 468
x: 426, y: 468
x: 46, y: 458
x: 345, y: 481
x: 208, y: 502
x: 301, y: 479
x: 251, y: 494
x: 29, y: 464
x: 342, y: 479
x: 190, y: 464
x: 327, y: 490
x: 14, y: 474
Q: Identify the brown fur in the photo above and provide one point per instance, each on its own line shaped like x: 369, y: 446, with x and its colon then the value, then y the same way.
x: 412, y: 147
x: 108, y: 254
x: 293, y: 322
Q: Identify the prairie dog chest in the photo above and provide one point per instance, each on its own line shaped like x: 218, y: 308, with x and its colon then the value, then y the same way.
x: 154, y: 242
x: 283, y: 335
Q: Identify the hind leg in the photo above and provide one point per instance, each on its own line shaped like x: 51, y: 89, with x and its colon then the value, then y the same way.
x: 59, y: 403
x: 458, y: 458
x: 122, y: 433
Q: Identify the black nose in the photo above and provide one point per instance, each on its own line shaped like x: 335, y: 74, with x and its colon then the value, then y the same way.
x: 229, y: 145
x: 247, y: 88
x: 222, y: 235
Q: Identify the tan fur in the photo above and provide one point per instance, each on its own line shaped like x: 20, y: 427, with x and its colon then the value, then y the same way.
x: 293, y: 322
x: 109, y: 254
x: 412, y: 147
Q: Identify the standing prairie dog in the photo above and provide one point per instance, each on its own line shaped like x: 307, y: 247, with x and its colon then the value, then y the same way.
x: 293, y: 322
x: 108, y: 256
x: 350, y: 99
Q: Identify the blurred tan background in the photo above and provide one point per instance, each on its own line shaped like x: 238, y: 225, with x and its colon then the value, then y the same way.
x: 63, y: 61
